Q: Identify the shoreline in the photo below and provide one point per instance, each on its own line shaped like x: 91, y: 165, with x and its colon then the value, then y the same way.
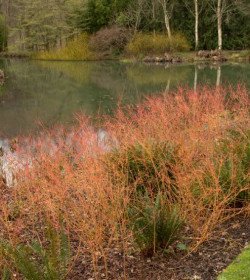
x: 178, y: 57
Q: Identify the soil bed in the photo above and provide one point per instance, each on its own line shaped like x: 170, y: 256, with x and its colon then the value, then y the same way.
x: 204, y: 264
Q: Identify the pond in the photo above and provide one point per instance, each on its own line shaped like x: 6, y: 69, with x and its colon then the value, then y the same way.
x: 52, y: 92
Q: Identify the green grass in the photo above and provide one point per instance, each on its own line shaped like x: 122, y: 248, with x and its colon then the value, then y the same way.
x: 239, y: 269
x: 128, y: 60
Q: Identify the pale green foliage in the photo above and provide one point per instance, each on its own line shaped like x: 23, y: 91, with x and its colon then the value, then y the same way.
x: 77, y: 49
x: 179, y: 43
x: 157, y: 44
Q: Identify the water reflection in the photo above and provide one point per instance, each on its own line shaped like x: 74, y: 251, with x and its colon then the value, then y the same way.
x: 52, y: 92
x: 195, y: 77
x: 218, y: 81
x: 8, y: 162
x: 84, y: 141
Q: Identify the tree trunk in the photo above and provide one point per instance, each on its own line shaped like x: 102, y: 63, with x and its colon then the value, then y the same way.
x: 138, y: 15
x: 168, y: 26
x: 166, y: 18
x: 196, y: 25
x: 219, y: 22
x: 153, y: 15
x: 137, y: 22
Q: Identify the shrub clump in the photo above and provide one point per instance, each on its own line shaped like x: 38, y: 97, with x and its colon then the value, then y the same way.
x: 102, y: 187
x: 146, y: 167
x: 155, y: 222
x: 143, y: 44
x: 233, y: 170
x: 76, y: 49
x: 110, y: 40
x: 36, y: 261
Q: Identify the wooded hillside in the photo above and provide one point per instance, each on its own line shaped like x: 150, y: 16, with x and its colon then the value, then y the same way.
x: 34, y: 25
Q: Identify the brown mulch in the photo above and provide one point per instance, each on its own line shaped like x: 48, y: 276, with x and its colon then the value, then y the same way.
x: 204, y: 264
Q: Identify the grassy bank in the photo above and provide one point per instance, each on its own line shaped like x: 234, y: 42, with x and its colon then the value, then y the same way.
x: 78, y: 53
x: 10, y: 54
x: 239, y: 269
x: 159, y: 177
x: 115, y: 43
x: 120, y: 44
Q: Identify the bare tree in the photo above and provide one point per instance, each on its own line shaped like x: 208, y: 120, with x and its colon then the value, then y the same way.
x: 134, y: 13
x: 195, y: 7
x: 154, y: 14
x: 243, y: 6
x: 221, y: 7
x: 196, y: 24
x: 167, y: 7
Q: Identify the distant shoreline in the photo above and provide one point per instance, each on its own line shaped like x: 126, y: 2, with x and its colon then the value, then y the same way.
x: 191, y: 56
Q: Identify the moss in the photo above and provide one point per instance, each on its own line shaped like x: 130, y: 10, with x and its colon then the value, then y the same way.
x: 239, y: 269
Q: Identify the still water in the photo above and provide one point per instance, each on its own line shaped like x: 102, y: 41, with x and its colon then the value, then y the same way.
x: 52, y: 92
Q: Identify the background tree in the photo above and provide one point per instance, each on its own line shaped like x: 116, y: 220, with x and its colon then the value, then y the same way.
x: 3, y: 34
x: 221, y: 8
x: 167, y: 8
x: 195, y: 7
x: 244, y: 6
x: 35, y: 25
x: 135, y: 12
